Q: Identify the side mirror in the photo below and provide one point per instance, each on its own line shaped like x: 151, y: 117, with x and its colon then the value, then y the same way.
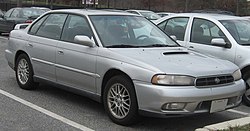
x: 218, y: 42
x: 84, y: 40
x: 174, y: 37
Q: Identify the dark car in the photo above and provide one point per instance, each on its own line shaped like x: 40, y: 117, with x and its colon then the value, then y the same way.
x: 19, y: 15
x: 1, y: 13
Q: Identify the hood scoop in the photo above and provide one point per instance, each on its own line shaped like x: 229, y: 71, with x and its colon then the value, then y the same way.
x: 175, y: 53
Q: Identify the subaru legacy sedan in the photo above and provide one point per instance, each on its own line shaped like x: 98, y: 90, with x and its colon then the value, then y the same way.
x: 123, y: 61
x: 223, y: 36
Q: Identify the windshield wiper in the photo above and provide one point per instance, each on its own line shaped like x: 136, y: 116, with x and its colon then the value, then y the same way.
x: 122, y: 46
x: 159, y: 45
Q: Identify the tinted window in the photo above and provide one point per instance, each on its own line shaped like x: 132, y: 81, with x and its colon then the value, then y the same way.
x: 75, y: 25
x: 15, y: 14
x: 52, y: 26
x: 176, y: 27
x: 203, y: 31
x: 8, y: 13
x: 36, y: 26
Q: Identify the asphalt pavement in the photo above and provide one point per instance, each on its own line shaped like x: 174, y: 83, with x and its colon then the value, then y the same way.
x: 50, y: 108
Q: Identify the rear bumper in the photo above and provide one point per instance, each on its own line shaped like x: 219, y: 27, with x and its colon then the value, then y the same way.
x: 10, y: 58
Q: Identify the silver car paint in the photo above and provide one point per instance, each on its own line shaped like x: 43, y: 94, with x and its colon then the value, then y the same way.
x: 84, y: 68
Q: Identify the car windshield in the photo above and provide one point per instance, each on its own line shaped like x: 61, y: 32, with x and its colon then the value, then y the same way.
x: 150, y: 15
x: 239, y: 29
x: 27, y: 12
x: 129, y: 32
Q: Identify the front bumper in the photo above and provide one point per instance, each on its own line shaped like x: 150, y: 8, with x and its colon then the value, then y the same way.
x: 151, y: 98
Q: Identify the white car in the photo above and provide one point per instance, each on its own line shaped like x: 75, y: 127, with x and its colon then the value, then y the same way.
x: 222, y: 36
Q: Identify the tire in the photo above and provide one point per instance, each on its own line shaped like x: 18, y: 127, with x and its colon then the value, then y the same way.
x: 246, y: 96
x: 120, y: 95
x: 24, y: 73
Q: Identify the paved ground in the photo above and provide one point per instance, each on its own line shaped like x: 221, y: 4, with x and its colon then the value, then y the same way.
x: 53, y: 109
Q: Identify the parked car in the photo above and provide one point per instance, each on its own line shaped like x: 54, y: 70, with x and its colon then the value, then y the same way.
x: 226, y: 37
x: 163, y: 14
x: 19, y: 15
x: 1, y: 13
x: 150, y: 15
x: 214, y: 11
x: 124, y: 61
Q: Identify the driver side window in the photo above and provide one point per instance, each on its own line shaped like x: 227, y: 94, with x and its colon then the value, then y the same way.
x: 203, y: 31
x: 175, y: 26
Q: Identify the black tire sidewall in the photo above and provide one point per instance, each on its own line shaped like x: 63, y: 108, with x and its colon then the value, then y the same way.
x: 29, y: 85
x: 132, y: 116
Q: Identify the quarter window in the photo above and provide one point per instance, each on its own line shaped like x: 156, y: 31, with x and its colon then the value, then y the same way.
x: 75, y: 25
x: 52, y: 26
x: 203, y: 31
x: 176, y: 27
x: 36, y: 26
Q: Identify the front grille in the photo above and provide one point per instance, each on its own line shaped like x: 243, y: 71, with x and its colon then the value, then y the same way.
x: 214, y: 80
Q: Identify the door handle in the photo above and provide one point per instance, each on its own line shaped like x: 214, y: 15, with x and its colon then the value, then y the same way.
x: 191, y: 47
x: 30, y: 45
x: 60, y: 52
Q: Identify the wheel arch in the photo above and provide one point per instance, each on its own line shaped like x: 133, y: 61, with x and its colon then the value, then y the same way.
x: 18, y: 53
x: 111, y: 73
x: 245, y: 70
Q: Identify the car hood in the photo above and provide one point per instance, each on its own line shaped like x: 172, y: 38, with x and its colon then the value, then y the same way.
x: 176, y: 61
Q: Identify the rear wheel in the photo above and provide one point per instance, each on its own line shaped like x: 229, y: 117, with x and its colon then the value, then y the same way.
x: 120, y: 101
x: 24, y: 73
x: 246, y: 96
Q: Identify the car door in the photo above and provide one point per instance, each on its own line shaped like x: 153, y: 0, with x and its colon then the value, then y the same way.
x: 201, y: 35
x: 7, y: 23
x: 76, y: 63
x: 176, y: 26
x: 44, y: 37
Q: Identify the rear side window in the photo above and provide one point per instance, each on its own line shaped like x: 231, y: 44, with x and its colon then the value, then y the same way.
x: 36, y: 26
x: 52, y: 26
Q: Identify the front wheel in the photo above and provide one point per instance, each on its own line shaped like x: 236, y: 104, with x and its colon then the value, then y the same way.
x: 24, y: 73
x: 246, y: 96
x: 120, y: 101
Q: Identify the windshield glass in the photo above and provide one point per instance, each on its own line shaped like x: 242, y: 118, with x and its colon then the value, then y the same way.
x: 239, y: 29
x: 129, y: 31
x: 150, y: 15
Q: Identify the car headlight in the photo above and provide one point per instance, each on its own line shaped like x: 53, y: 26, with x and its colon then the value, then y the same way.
x: 237, y: 75
x: 175, y: 80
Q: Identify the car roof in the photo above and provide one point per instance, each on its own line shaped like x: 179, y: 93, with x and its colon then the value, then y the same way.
x: 140, y: 10
x: 92, y: 12
x: 209, y: 15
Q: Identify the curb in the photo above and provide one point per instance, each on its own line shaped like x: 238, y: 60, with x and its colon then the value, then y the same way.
x: 225, y: 125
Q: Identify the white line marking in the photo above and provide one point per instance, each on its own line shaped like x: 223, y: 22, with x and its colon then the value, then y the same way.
x: 44, y: 111
x: 238, y: 112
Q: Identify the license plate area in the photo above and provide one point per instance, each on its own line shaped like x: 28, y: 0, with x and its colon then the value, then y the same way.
x: 218, y: 105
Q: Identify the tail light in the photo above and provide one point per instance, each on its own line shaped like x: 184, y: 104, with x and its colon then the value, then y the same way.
x: 28, y: 21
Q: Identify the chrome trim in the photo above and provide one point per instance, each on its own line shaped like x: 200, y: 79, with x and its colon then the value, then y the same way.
x: 78, y: 71
x: 68, y: 68
x: 42, y: 61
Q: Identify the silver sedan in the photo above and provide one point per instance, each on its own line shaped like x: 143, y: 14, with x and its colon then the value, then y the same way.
x: 123, y: 61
